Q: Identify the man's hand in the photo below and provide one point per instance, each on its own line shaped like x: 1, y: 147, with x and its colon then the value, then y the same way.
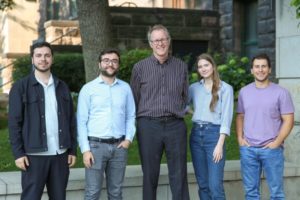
x: 71, y: 160
x: 272, y: 145
x: 125, y: 144
x: 22, y: 163
x: 243, y: 142
x: 88, y: 159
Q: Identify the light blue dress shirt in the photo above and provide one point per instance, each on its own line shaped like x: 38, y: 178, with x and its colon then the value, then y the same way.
x: 51, y: 119
x: 105, y: 111
x: 200, y: 98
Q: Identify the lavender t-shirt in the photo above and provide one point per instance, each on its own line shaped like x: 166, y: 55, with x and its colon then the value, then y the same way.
x: 262, y: 109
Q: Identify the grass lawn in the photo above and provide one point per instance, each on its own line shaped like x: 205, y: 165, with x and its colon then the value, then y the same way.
x: 7, y: 160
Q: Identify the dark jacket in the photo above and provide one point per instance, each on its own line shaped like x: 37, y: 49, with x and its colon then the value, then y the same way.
x: 26, y: 118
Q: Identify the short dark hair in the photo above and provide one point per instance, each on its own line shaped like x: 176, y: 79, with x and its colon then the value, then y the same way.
x: 261, y: 56
x: 39, y: 45
x: 109, y: 51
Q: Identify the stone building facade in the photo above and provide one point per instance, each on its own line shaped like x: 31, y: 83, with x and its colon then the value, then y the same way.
x: 242, y: 27
x: 248, y: 27
x: 192, y: 31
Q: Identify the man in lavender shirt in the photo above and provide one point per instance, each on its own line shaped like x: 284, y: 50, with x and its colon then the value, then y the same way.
x: 265, y: 117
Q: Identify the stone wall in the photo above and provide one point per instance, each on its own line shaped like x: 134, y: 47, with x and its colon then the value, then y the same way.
x: 10, y: 184
x: 226, y: 24
x: 266, y: 29
x: 130, y: 26
x: 230, y: 23
x: 287, y: 68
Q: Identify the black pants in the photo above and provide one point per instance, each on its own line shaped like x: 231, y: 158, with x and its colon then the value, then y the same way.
x: 52, y: 171
x: 154, y: 137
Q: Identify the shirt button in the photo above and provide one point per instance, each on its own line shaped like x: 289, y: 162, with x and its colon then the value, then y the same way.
x: 44, y: 133
x: 60, y: 131
x: 42, y: 116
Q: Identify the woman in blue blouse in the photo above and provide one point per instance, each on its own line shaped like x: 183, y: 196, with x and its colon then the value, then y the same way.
x: 212, y: 101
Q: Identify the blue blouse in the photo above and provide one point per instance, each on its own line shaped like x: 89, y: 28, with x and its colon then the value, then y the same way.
x: 200, y: 98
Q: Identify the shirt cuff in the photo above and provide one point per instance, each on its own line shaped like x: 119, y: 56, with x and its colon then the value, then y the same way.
x: 225, y: 130
x: 85, y: 147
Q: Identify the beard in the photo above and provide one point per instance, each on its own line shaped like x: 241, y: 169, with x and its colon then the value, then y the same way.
x: 104, y: 72
x: 41, y: 70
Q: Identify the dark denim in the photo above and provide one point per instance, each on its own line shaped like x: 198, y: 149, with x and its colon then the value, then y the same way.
x: 27, y: 124
x: 209, y: 175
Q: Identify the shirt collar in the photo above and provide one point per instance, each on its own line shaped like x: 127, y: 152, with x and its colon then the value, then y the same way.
x: 101, y: 81
x: 50, y: 81
x: 155, y: 60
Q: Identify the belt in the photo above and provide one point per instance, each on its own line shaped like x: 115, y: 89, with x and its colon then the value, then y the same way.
x: 106, y: 140
x: 163, y: 118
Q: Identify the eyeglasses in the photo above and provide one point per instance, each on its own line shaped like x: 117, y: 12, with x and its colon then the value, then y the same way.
x: 163, y: 40
x: 108, y: 61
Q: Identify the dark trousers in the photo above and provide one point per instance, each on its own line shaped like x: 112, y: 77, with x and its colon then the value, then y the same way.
x: 52, y: 171
x: 154, y: 137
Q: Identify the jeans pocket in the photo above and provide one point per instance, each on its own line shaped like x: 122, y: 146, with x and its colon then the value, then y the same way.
x: 94, y: 144
x: 274, y: 152
x: 243, y: 147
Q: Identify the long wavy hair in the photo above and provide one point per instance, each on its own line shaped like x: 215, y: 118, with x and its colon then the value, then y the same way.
x: 215, y: 78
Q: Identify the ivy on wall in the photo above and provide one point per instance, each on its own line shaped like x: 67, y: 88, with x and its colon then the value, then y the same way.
x: 296, y: 4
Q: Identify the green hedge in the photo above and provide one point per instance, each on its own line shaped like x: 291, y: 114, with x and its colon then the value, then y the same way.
x: 70, y: 67
x: 128, y: 59
x: 67, y: 66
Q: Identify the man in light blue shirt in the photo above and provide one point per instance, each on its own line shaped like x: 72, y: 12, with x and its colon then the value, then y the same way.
x: 106, y: 127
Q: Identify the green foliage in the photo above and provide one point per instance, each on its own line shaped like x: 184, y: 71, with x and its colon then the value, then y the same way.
x: 296, y: 4
x: 128, y: 59
x: 7, y: 160
x: 22, y: 67
x: 67, y: 66
x: 70, y: 67
x: 6, y: 4
x: 233, y: 71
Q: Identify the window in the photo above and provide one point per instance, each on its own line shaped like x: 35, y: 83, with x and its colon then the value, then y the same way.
x: 245, y: 27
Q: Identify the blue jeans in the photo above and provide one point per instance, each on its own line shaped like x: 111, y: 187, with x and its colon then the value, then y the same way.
x: 256, y: 159
x: 109, y: 160
x: 209, y: 174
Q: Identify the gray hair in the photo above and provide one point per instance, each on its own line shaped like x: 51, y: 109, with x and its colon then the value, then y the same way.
x: 157, y: 27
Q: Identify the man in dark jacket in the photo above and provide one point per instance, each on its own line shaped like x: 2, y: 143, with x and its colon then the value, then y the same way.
x: 42, y: 128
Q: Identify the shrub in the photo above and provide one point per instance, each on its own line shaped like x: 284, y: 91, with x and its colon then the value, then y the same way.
x: 233, y: 71
x: 67, y: 66
x: 70, y: 67
x: 128, y: 59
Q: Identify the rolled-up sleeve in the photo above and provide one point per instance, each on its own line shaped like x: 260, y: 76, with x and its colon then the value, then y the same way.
x: 227, y: 99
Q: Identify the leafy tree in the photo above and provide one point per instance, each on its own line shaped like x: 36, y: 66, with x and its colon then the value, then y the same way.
x: 6, y: 4
x: 296, y: 4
